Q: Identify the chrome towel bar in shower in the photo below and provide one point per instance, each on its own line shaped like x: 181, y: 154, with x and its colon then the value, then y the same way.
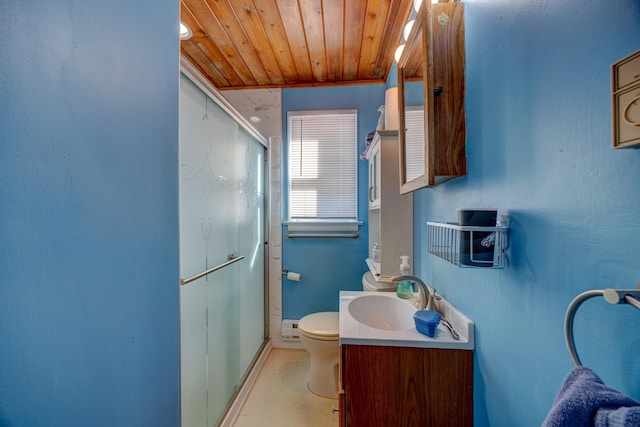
x: 231, y: 260
x: 612, y: 296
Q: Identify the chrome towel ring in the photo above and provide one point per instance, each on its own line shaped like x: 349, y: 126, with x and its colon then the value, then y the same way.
x: 612, y: 296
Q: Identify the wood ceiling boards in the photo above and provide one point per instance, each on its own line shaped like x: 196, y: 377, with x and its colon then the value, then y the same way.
x: 243, y: 44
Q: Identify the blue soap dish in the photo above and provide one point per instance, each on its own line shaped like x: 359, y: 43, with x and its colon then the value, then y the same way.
x: 426, y: 322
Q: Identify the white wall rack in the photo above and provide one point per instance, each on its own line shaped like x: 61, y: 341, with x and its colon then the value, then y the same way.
x: 468, y: 246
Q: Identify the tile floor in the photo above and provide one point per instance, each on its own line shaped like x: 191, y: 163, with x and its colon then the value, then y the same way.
x: 280, y: 397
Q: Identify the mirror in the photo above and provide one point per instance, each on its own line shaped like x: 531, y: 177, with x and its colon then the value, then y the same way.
x: 411, y: 99
x: 431, y: 87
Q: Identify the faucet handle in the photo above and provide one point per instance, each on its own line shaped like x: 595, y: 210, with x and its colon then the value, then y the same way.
x: 431, y: 305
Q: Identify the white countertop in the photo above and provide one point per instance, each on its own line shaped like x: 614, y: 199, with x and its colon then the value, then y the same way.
x: 356, y: 333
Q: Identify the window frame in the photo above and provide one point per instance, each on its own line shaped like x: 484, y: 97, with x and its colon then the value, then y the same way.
x: 321, y: 223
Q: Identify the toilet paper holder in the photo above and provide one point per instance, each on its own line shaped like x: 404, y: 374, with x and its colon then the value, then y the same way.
x: 291, y: 275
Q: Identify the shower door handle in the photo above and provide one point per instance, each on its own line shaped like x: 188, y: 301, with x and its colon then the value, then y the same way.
x: 232, y: 258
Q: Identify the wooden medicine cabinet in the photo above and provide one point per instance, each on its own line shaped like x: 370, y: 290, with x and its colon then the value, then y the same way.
x: 625, y: 77
x: 431, y: 90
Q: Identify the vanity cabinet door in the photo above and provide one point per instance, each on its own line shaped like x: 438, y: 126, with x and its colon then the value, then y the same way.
x: 341, y: 403
x: 341, y: 395
x: 400, y: 386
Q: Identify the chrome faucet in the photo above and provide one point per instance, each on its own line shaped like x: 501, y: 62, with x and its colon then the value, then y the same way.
x: 425, y: 299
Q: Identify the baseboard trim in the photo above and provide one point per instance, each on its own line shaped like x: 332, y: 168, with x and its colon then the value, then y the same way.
x: 291, y: 345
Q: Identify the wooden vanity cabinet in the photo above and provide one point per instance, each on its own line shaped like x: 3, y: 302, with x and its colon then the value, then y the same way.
x: 404, y: 387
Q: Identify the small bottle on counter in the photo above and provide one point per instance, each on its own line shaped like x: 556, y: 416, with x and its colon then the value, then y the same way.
x: 375, y: 252
x: 405, y: 288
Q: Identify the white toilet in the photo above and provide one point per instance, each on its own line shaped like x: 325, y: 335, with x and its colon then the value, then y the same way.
x: 319, y: 334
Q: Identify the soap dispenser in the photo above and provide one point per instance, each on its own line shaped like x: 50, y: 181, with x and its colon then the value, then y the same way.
x: 405, y: 288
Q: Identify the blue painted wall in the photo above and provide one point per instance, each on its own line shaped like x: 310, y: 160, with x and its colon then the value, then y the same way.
x: 539, y: 145
x: 328, y: 265
x: 89, y: 320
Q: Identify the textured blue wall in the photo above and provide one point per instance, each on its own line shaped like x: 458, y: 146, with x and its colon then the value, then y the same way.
x: 539, y: 145
x: 89, y: 319
x: 328, y: 265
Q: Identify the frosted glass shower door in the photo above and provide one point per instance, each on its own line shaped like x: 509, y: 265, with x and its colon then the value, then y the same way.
x: 221, y: 216
x: 251, y: 243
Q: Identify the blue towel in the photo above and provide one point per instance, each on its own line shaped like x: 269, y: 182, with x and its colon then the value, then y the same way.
x: 621, y: 417
x: 584, y: 401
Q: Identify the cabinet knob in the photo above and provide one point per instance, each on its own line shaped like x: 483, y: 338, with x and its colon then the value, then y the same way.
x: 334, y: 409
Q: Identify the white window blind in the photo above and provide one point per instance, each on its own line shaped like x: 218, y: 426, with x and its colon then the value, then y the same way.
x: 322, y: 165
x: 414, y: 145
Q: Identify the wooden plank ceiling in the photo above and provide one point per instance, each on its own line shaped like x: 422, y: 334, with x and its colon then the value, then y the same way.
x: 243, y: 44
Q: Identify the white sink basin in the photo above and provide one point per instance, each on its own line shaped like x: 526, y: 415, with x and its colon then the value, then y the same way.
x: 381, y: 312
x: 381, y: 318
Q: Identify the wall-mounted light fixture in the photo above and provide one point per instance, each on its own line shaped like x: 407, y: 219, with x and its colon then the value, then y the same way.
x: 398, y: 53
x: 185, y: 31
x: 407, y: 28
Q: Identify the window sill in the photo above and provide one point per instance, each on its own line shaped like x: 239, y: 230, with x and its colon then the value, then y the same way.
x: 327, y: 225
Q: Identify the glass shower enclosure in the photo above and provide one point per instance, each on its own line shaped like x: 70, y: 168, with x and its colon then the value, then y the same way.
x: 222, y: 228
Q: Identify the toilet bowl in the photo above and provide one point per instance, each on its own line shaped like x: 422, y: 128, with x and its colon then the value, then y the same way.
x: 319, y: 333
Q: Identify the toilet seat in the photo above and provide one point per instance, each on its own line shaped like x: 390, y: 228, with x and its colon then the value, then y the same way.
x: 370, y: 284
x: 323, y: 326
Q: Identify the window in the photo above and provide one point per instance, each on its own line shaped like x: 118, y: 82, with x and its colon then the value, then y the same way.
x: 414, y: 145
x: 322, y: 165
